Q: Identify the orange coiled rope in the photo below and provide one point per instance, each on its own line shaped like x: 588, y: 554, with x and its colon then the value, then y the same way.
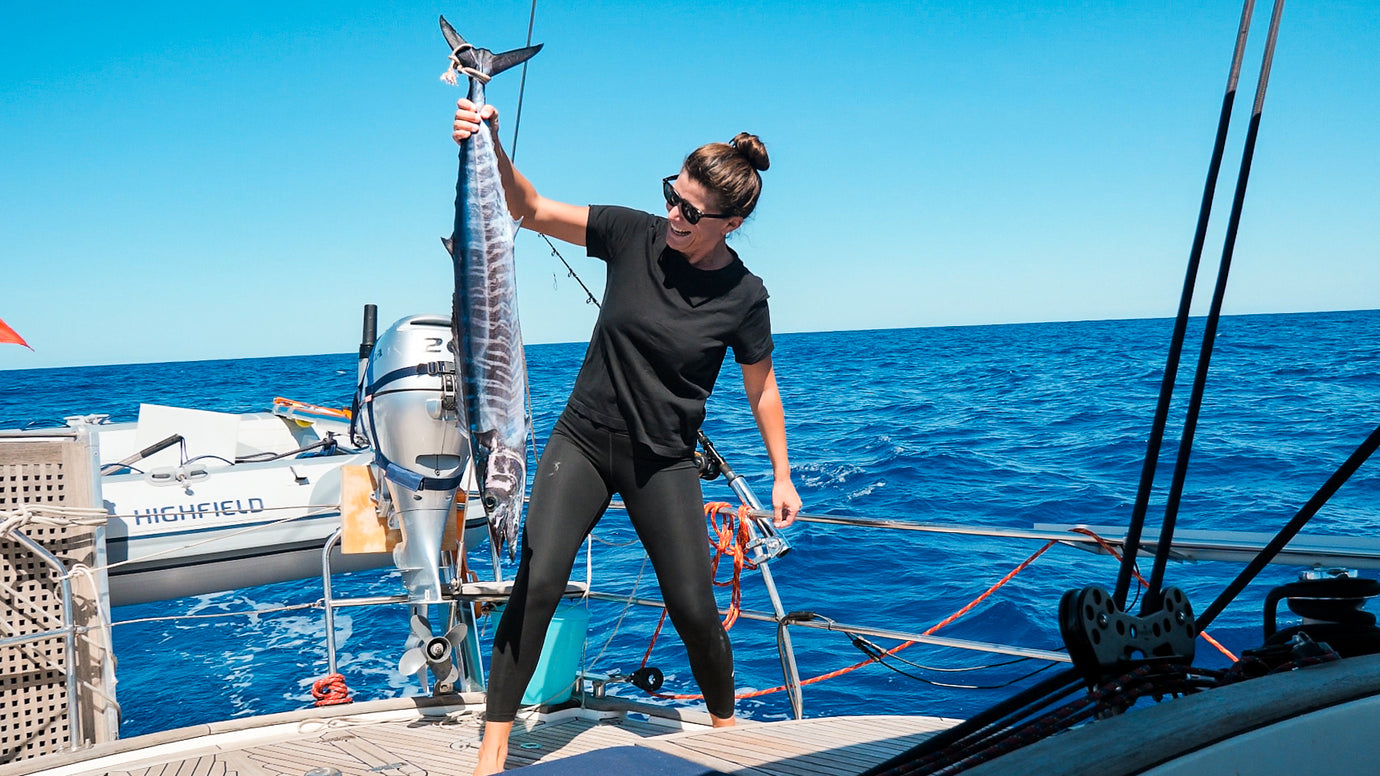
x: 330, y: 690
x: 728, y: 537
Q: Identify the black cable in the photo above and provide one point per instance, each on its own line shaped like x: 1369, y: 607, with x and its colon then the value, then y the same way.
x: 882, y: 661
x: 874, y: 650
x: 977, y: 726
x: 1291, y: 529
x: 115, y: 468
x: 211, y: 456
x: 271, y: 456
x: 1171, y: 368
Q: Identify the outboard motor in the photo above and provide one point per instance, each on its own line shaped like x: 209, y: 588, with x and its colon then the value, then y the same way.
x: 412, y: 413
x: 1330, y: 602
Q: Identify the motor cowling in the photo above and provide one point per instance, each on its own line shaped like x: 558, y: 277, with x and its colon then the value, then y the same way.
x: 413, y: 415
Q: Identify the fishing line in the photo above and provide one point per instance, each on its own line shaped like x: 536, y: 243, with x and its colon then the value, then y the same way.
x: 1171, y: 368
x: 512, y: 155
x: 1152, y: 596
x: 522, y: 89
x: 517, y: 125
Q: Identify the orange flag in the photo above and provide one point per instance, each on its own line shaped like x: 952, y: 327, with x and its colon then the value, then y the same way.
x: 10, y: 335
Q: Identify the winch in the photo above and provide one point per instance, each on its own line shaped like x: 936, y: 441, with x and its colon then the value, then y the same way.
x: 1331, y: 602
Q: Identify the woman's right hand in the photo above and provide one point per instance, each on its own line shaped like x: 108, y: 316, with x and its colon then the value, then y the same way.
x: 468, y: 119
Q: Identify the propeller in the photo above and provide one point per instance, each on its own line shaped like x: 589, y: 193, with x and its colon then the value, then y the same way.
x: 414, y: 657
x: 434, y: 652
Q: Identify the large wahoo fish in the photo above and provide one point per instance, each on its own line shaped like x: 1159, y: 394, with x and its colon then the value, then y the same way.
x: 489, y: 342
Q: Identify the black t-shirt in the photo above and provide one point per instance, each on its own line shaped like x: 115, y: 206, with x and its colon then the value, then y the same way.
x: 663, y: 329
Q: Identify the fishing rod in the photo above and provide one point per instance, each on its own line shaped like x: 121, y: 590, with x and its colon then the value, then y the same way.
x: 1152, y: 599
x: 769, y: 544
x: 1171, y: 368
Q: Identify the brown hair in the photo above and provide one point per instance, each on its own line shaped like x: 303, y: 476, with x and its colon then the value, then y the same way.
x: 730, y: 172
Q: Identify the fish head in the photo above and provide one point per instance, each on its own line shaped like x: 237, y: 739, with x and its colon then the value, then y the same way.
x: 504, y: 480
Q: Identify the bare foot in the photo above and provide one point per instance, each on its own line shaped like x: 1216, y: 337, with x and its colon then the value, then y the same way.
x: 721, y: 722
x: 493, y: 748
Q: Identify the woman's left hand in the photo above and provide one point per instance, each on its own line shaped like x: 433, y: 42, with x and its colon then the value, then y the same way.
x: 785, y: 503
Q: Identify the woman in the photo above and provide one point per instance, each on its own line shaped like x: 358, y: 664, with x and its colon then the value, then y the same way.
x: 676, y: 298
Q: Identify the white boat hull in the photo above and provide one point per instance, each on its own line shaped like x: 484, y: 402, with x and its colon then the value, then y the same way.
x: 192, y: 521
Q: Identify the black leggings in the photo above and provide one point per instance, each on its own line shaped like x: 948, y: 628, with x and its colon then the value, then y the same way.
x: 582, y: 467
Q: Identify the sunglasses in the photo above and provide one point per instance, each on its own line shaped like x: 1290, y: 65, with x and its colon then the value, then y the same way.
x: 691, y: 213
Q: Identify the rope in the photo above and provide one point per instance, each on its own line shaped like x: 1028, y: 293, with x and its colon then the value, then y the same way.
x: 929, y: 632
x: 95, y: 635
x: 330, y: 690
x: 319, y: 603
x: 49, y: 515
x: 451, y: 75
x: 730, y: 528
x: 715, y: 508
x: 730, y: 538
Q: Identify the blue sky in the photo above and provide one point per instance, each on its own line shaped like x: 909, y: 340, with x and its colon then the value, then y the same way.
x: 189, y: 181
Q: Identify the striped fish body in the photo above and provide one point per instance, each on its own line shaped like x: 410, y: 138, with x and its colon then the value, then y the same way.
x: 489, y: 355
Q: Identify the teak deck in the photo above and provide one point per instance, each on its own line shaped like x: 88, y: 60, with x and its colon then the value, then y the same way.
x: 447, y: 744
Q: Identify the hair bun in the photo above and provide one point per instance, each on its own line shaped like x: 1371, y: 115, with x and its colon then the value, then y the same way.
x: 752, y: 149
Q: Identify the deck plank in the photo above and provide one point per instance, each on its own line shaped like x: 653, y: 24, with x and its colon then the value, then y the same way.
x: 448, y: 744
x: 803, y: 747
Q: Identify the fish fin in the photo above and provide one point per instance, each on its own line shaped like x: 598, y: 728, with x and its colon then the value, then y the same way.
x: 517, y: 224
x: 452, y: 37
x: 483, y: 60
x: 449, y: 242
x: 512, y: 58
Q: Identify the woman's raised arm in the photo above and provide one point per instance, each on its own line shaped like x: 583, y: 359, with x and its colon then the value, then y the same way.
x: 549, y: 217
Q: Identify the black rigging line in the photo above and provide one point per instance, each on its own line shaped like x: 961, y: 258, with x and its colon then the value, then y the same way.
x: 1152, y: 597
x: 949, y: 747
x: 1291, y: 529
x: 1171, y: 368
x: 982, y: 725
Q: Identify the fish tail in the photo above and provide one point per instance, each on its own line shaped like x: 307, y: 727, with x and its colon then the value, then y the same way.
x: 478, y: 62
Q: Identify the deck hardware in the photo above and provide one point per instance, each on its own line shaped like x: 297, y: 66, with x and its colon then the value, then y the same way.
x: 1104, y: 641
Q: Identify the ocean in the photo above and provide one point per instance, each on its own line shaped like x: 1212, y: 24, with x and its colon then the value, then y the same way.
x: 1004, y: 426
